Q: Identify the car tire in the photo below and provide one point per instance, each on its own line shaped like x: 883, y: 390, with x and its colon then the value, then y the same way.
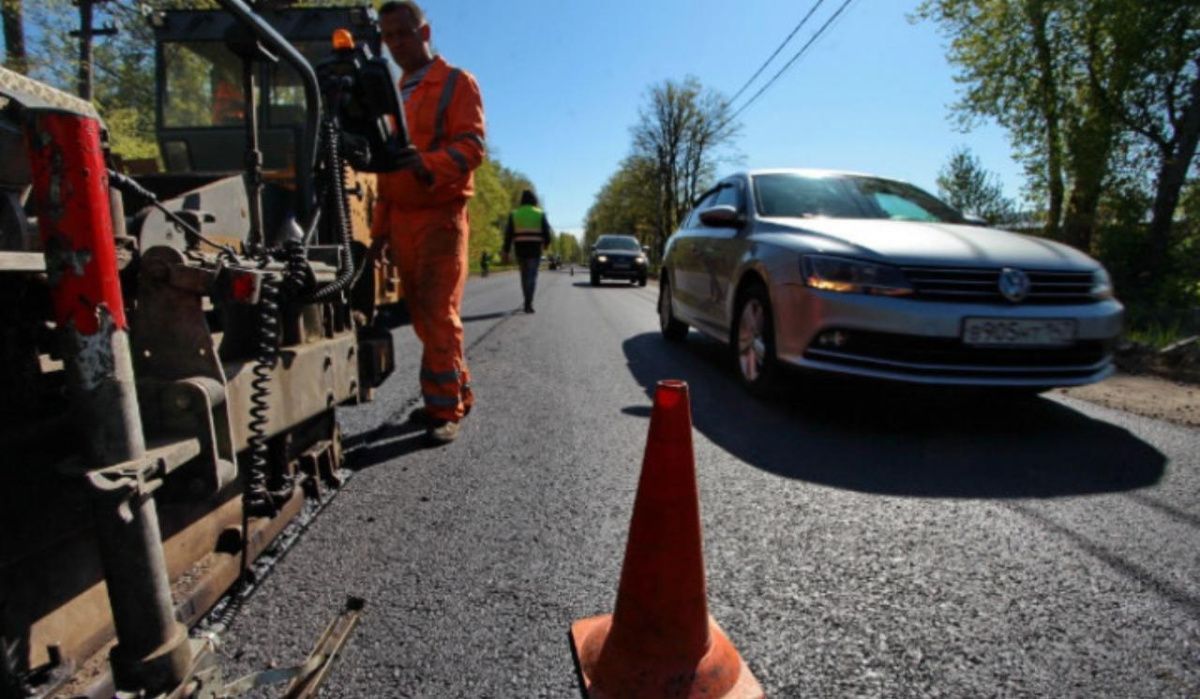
x: 595, y: 279
x: 752, y: 341
x: 641, y: 281
x: 673, y: 329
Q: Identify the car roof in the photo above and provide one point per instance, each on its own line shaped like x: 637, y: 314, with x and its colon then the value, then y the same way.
x: 807, y: 172
x: 616, y: 235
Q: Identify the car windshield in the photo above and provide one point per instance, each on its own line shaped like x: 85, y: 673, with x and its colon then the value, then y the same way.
x: 847, y: 196
x: 618, y: 243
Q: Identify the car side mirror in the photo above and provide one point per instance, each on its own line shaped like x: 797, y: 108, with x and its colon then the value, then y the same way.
x: 973, y: 220
x: 646, y: 249
x: 721, y: 216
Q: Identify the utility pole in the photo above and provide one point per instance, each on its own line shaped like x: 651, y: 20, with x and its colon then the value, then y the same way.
x: 14, y: 36
x: 85, y: 34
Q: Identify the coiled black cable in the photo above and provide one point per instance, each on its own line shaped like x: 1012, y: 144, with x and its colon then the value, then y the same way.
x: 257, y: 497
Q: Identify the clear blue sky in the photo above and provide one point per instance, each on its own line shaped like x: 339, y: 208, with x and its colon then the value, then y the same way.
x: 563, y: 81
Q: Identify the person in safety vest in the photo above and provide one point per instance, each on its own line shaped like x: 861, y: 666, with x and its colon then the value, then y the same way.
x: 421, y: 214
x: 528, y: 231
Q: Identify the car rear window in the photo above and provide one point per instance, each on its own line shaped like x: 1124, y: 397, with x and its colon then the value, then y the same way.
x: 847, y: 196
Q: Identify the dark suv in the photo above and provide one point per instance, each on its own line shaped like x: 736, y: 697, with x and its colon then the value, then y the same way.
x: 618, y: 257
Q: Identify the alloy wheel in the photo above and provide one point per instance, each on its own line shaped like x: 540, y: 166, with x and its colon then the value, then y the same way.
x: 752, y: 343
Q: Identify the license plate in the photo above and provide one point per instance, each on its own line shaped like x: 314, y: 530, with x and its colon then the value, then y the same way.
x: 620, y: 265
x: 1025, y: 333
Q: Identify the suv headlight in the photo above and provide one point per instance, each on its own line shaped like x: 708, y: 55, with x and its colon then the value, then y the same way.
x: 602, y: 258
x: 1102, y: 287
x: 853, y: 276
x: 640, y: 259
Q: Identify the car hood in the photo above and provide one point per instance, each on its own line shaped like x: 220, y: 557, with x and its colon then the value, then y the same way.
x: 919, y: 243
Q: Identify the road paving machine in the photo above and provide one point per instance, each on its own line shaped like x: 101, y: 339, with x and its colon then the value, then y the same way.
x: 176, y: 340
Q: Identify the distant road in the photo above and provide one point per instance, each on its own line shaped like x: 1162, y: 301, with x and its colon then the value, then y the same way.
x: 859, y: 541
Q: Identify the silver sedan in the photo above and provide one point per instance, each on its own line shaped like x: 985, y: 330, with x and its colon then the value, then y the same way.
x: 860, y: 275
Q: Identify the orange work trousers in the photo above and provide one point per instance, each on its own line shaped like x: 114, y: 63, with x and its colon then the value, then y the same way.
x: 429, y: 248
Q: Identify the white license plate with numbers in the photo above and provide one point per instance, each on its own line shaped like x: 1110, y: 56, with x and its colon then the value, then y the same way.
x: 1018, y: 332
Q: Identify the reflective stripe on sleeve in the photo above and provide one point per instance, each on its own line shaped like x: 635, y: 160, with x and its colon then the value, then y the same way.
x: 459, y: 159
x: 439, y: 124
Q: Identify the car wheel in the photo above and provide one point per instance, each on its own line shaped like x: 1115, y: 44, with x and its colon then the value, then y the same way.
x: 753, y: 341
x: 595, y: 279
x: 641, y: 281
x: 673, y: 329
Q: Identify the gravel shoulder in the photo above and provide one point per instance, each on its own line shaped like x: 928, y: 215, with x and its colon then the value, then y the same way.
x: 1149, y: 396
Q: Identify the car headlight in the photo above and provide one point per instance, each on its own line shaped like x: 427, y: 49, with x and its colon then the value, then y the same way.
x: 640, y: 260
x: 853, y: 276
x: 602, y: 258
x: 1102, y: 287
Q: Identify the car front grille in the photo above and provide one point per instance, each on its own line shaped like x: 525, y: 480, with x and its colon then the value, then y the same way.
x: 974, y: 285
x: 950, y: 358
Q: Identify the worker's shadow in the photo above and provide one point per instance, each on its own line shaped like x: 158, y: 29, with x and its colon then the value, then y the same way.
x: 384, y: 443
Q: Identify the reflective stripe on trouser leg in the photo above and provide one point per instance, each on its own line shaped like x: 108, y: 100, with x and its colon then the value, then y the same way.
x: 431, y: 252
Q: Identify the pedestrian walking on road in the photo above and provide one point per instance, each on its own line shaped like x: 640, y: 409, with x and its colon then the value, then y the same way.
x: 528, y: 232
x: 422, y: 210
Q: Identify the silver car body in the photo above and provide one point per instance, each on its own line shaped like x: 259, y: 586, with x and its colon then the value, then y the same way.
x: 955, y: 270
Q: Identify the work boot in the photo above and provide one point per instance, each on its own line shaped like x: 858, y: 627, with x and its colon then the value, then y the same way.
x: 529, y: 307
x: 442, y: 432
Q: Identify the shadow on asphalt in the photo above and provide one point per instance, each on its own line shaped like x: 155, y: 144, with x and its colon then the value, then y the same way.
x: 488, y: 316
x: 897, y: 440
x: 611, y: 284
x: 383, y: 444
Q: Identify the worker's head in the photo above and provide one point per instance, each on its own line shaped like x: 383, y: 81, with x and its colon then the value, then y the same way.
x: 406, y: 33
x: 528, y: 198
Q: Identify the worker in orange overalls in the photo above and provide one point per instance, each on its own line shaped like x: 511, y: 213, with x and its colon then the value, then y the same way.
x: 422, y: 210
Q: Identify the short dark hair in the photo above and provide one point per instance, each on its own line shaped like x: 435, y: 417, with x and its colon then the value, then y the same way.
x: 414, y: 10
x: 528, y: 198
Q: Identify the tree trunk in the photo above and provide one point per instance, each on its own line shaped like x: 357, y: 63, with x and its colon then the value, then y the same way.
x: 1172, y: 173
x: 1048, y: 93
x: 1089, y: 149
x: 14, y: 36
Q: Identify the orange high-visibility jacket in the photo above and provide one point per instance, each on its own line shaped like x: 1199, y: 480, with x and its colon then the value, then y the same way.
x: 445, y: 124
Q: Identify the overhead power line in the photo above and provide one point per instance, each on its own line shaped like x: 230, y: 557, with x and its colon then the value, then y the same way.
x: 779, y: 48
x: 793, y: 59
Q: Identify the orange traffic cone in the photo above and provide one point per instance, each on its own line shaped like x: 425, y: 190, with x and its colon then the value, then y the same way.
x: 660, y: 641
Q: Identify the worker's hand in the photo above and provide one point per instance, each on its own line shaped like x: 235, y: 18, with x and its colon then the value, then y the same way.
x: 375, y: 253
x: 410, y: 160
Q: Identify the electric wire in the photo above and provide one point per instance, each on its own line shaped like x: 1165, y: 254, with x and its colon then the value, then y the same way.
x: 779, y: 48
x: 811, y: 40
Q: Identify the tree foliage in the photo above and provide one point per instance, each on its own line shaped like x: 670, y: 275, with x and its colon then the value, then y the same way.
x: 1082, y: 86
x: 966, y: 186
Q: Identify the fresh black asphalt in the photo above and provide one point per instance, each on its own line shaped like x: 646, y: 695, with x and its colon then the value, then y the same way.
x: 859, y: 540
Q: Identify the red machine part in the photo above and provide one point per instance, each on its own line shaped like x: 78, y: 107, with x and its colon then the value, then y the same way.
x: 70, y: 184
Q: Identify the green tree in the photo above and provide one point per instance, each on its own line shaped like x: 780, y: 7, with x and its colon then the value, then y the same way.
x: 1025, y: 64
x: 969, y: 188
x: 682, y: 131
x: 627, y: 203
x: 1161, y: 108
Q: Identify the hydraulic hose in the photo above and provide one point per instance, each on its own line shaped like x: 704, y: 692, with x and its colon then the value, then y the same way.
x: 336, y: 172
